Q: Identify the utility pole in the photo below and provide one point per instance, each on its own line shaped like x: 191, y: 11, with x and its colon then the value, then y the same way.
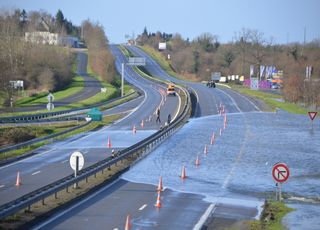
x: 122, y: 79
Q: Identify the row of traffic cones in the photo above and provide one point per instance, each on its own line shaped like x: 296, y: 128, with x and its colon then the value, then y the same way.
x: 157, y: 204
x: 183, y: 171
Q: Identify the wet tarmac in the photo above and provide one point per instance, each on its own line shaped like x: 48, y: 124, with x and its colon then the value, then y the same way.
x: 237, y: 168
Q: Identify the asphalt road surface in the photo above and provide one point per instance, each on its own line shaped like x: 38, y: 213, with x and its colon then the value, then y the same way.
x: 52, y: 161
x: 233, y: 177
x: 110, y: 205
x: 209, y: 99
x: 109, y: 209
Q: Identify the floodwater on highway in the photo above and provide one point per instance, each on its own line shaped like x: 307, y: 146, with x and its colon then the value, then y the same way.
x: 238, y: 165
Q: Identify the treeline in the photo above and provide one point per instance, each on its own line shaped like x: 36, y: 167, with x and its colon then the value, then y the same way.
x: 203, y: 55
x: 100, y: 58
x: 41, y: 67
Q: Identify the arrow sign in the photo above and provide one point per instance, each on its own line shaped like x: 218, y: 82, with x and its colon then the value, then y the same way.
x: 280, y: 172
x: 312, y: 115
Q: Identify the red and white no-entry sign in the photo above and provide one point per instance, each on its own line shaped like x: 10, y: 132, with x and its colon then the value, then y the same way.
x: 280, y: 172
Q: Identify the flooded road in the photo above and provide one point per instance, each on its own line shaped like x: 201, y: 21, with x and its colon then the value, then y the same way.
x: 237, y: 167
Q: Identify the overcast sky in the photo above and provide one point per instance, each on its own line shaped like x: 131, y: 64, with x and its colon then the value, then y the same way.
x: 283, y: 20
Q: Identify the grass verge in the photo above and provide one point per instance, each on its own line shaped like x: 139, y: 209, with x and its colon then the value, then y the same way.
x: 161, y: 60
x: 272, y: 100
x: 92, y: 126
x: 271, y: 217
x: 14, y: 135
x: 126, y: 52
x: 75, y: 87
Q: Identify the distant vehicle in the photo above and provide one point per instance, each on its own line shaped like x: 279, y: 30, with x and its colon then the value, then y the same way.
x: 171, y: 90
x: 275, y: 86
x: 215, y: 77
x: 211, y: 84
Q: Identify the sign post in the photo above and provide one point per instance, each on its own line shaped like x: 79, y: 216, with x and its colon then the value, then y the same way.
x: 76, y: 163
x: 50, y: 105
x: 280, y: 173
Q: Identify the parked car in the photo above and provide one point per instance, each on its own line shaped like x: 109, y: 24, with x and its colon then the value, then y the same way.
x: 275, y: 86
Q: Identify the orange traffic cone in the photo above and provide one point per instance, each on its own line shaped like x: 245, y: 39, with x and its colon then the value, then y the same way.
x: 128, y: 224
x: 160, y: 188
x: 205, y: 151
x: 142, y: 124
x: 197, y: 161
x: 158, y: 204
x: 134, y: 130
x: 18, y: 181
x: 109, y: 143
x: 212, y: 139
x: 183, y: 173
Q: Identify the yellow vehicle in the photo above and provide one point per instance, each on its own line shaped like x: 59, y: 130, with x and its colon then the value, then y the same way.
x: 171, y: 90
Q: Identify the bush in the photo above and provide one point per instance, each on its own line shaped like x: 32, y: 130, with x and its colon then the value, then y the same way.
x: 18, y: 135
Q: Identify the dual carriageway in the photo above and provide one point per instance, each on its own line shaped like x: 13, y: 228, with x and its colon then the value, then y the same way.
x: 110, y: 205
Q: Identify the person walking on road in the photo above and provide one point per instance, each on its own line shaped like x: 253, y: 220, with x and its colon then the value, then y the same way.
x: 169, y: 119
x: 158, y: 116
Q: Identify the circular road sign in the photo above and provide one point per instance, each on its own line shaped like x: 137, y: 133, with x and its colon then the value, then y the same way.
x: 73, y: 160
x: 50, y: 97
x: 280, y: 172
x: 50, y: 106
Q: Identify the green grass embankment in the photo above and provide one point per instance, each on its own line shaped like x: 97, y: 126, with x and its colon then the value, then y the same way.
x: 92, y: 126
x: 75, y: 87
x: 272, y: 100
x: 271, y: 217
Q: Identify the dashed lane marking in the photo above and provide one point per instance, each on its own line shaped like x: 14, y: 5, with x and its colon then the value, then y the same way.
x: 143, y: 207
x: 35, y: 173
x: 1, y: 186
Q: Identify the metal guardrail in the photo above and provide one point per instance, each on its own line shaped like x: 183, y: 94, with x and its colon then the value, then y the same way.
x: 36, y: 140
x: 48, y: 115
x: 139, y: 148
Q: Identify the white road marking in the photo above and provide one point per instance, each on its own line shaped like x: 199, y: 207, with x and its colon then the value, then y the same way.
x: 53, y: 218
x: 143, y: 207
x: 223, y: 85
x: 28, y: 158
x: 1, y: 186
x: 64, y: 161
x: 256, y: 107
x: 204, y: 217
x: 35, y: 173
x: 231, y: 98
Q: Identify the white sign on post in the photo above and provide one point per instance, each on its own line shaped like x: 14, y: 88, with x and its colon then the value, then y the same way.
x: 50, y: 106
x: 50, y: 97
x: 73, y: 160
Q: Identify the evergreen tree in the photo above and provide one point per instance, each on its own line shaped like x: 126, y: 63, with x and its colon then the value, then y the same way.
x: 60, y: 19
